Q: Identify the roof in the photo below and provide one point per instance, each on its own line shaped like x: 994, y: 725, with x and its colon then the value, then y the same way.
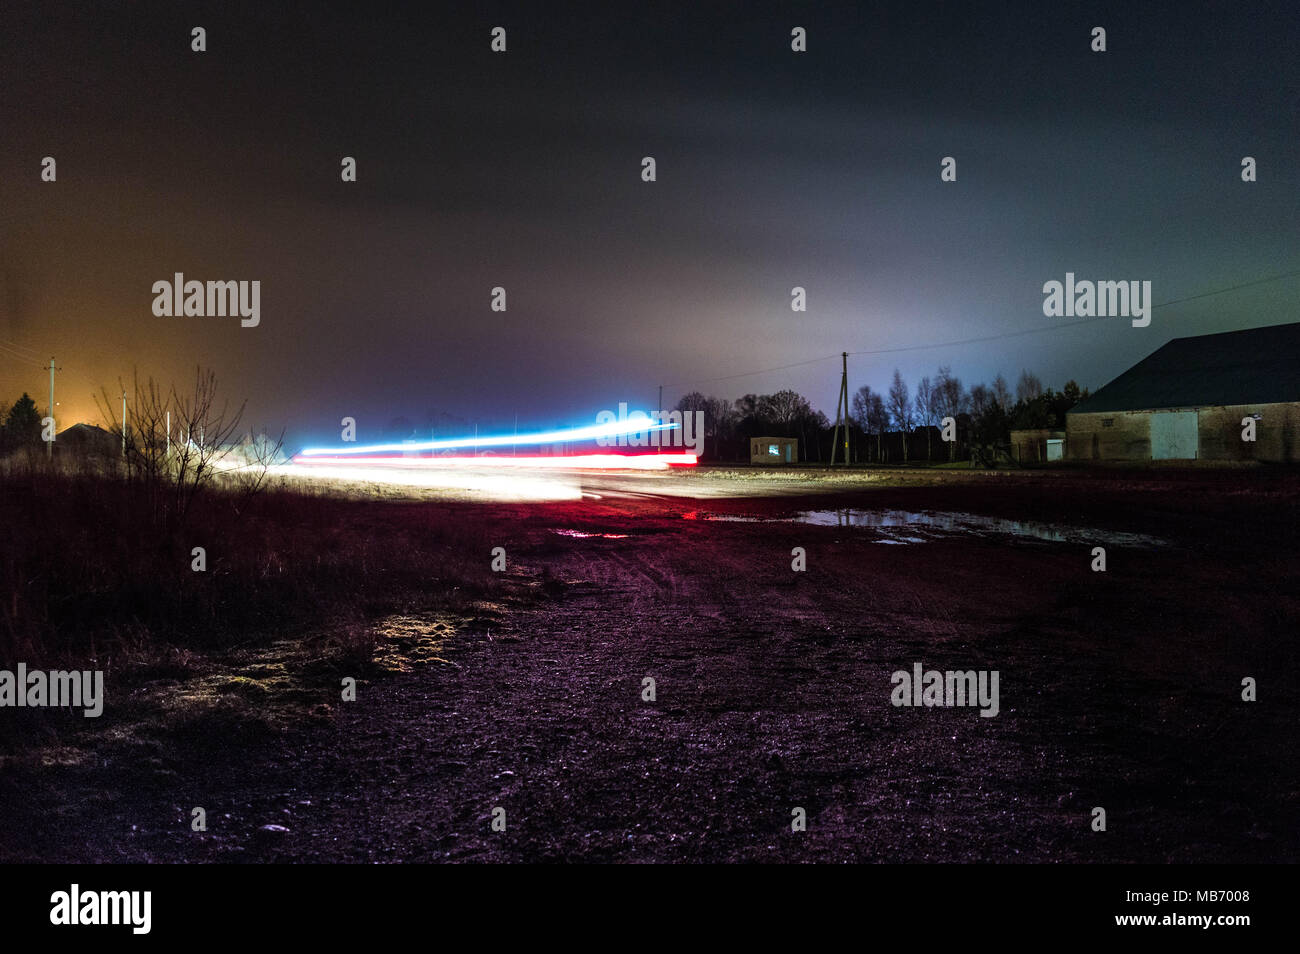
x: 1255, y: 366
x: 84, y: 432
x: 86, y: 436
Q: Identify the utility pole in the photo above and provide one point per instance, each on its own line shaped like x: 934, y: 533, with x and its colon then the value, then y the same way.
x: 659, y: 435
x: 49, y: 445
x: 169, y: 435
x: 842, y: 411
x: 123, y: 423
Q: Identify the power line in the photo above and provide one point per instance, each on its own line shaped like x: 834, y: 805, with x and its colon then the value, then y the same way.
x: 18, y: 349
x: 966, y: 341
x: 24, y: 362
x: 998, y: 337
x: 18, y: 355
x: 1081, y: 321
x: 24, y: 354
x: 1260, y: 281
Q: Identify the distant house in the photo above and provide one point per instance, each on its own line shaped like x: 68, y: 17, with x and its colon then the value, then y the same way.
x: 773, y: 450
x: 1189, y: 398
x: 87, y: 440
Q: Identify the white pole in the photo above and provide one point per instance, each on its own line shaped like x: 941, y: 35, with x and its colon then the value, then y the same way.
x: 49, y: 445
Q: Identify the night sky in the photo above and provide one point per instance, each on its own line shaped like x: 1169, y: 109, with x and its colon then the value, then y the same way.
x: 523, y: 170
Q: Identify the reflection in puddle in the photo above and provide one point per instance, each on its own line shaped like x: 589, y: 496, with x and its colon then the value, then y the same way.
x: 583, y: 536
x: 928, y: 525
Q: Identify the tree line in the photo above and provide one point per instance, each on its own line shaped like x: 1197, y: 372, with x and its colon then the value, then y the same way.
x: 899, y: 424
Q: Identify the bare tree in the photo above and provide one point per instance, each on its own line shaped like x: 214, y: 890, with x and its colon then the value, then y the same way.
x: 862, y: 409
x: 208, y: 430
x: 879, y: 418
x: 747, y: 407
x: 790, y: 413
x: 175, y: 443
x: 951, y: 400
x: 869, y: 412
x: 784, y: 408
x: 145, y: 460
x: 723, y: 417
x: 900, y: 407
x: 926, y: 409
x: 252, y: 460
x: 147, y: 403
x: 694, y: 401
x: 718, y: 416
x: 1028, y: 387
x: 1001, y: 392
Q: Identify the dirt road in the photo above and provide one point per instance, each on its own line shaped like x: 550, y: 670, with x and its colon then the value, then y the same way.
x: 772, y: 692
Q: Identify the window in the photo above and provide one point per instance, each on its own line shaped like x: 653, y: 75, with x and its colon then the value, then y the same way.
x: 1107, y: 422
x: 773, y: 450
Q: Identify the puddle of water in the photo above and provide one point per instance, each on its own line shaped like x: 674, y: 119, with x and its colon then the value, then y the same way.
x: 584, y: 536
x: 927, y: 525
x: 902, y: 540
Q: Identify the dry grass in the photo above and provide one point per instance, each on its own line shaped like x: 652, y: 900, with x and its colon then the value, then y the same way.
x: 298, y: 590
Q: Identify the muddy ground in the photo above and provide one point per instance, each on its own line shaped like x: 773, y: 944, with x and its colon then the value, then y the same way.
x: 1119, y: 690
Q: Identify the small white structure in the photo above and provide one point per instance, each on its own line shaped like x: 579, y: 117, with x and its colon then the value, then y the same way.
x: 773, y: 450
